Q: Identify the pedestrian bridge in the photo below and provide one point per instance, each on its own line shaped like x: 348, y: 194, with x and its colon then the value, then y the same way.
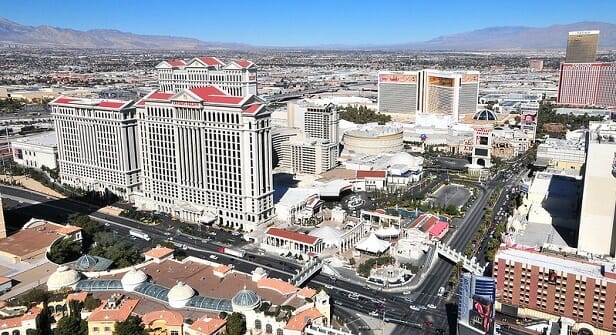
x: 308, y: 270
x: 470, y: 265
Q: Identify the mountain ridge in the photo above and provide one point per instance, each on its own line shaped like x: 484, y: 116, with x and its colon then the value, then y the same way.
x: 489, y: 38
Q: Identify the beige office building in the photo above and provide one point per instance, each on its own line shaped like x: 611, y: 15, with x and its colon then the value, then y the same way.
x: 597, y: 234
x: 582, y: 46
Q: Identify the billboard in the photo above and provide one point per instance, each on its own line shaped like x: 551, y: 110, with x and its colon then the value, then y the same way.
x: 441, y: 81
x: 476, y: 303
x: 481, y: 316
x: 400, y: 78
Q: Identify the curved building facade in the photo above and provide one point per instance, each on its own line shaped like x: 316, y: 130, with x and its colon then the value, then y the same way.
x: 374, y: 139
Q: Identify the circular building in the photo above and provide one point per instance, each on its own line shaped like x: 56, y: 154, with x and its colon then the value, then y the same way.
x: 179, y: 295
x: 132, y: 279
x: 62, y: 277
x: 374, y: 139
x: 245, y: 300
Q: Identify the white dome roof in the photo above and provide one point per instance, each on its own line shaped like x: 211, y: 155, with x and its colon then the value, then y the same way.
x: 133, y: 277
x: 63, y: 277
x: 180, y: 292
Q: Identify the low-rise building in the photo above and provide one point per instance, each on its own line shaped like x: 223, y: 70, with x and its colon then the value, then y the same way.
x: 116, y: 309
x: 36, y: 151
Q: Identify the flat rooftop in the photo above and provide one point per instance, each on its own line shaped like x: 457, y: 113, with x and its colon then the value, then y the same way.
x: 27, y: 241
x: 553, y: 262
x: 47, y: 139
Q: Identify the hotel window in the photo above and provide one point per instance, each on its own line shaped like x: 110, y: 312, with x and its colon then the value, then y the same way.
x: 95, y: 329
x: 107, y: 329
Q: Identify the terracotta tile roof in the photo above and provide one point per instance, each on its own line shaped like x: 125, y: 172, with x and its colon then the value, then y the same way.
x: 424, y: 222
x: 158, y: 252
x: 29, y: 240
x: 63, y: 100
x: 206, y: 325
x: 176, y: 62
x: 78, y: 296
x: 211, y: 61
x: 361, y: 174
x: 215, y: 95
x: 222, y: 269
x: 290, y: 235
x: 68, y: 229
x: 243, y: 63
x: 155, y: 95
x: 277, y: 285
x: 112, y: 104
x: 307, y: 292
x: 299, y: 321
x: 17, y: 321
x: 438, y: 228
x: 114, y: 315
x: 253, y: 108
x: 171, y: 318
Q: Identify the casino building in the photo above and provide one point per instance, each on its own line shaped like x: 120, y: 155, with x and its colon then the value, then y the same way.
x: 436, y: 98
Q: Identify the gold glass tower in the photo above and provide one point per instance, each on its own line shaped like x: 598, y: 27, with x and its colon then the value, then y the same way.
x: 582, y: 46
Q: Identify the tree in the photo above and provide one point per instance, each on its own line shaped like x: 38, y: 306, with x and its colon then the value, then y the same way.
x: 236, y: 324
x: 131, y: 326
x: 64, y: 251
x: 91, y: 303
x: 71, y: 325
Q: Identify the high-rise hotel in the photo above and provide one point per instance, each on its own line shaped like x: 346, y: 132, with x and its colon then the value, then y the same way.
x: 582, y: 46
x: 238, y: 78
x: 583, y: 81
x: 436, y: 98
x: 206, y: 157
x: 97, y: 148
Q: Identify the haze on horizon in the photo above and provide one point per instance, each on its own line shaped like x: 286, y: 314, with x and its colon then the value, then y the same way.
x: 304, y: 23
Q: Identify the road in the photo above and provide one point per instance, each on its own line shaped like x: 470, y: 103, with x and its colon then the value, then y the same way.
x: 393, y: 308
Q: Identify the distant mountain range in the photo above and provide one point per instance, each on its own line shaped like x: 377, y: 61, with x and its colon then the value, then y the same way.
x: 493, y: 38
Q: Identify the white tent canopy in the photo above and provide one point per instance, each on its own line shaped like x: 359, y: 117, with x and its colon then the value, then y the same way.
x: 329, y: 235
x: 372, y: 244
x: 390, y: 231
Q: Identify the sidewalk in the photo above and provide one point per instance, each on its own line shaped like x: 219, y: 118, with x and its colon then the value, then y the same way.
x: 32, y: 184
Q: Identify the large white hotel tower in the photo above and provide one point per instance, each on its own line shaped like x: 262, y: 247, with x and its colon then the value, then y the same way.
x: 199, y: 152
x: 238, y: 78
x: 206, y: 157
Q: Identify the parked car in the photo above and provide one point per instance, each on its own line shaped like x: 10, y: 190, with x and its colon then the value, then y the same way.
x: 213, y: 257
x: 374, y: 313
x: 431, y: 306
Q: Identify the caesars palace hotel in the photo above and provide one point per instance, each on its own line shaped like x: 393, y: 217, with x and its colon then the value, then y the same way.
x: 200, y: 154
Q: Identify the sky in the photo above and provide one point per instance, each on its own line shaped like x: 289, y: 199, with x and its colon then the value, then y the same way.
x: 304, y: 23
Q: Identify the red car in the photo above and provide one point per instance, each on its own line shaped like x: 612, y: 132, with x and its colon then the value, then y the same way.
x: 428, y: 323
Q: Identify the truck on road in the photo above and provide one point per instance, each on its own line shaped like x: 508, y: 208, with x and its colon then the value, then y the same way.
x: 232, y: 252
x: 139, y: 234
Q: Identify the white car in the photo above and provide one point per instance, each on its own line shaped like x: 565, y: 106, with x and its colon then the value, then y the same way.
x: 406, y: 292
x: 374, y: 313
x: 431, y: 306
x: 414, y: 308
x: 213, y: 257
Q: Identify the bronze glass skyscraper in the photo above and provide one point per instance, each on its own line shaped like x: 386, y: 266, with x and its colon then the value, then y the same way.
x: 582, y: 46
